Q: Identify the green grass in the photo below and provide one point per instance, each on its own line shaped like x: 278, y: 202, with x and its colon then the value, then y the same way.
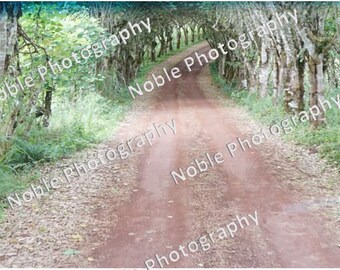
x: 73, y: 126
x: 326, y: 140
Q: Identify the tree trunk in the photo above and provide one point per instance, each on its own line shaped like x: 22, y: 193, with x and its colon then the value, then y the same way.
x: 317, y: 88
x: 169, y: 40
x: 276, y: 81
x: 13, y: 121
x: 27, y: 117
x: 199, y: 34
x: 162, y: 50
x: 186, y: 35
x: 179, y: 35
x: 192, y: 34
x: 252, y: 78
x: 301, y: 74
x: 315, y: 65
x: 3, y: 40
x: 264, y: 70
x: 153, y: 51
x: 292, y: 99
x: 9, y: 15
x: 221, y: 65
x: 48, y: 106
x: 292, y: 89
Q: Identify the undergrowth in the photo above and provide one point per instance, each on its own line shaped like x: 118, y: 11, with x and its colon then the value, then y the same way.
x: 326, y: 140
x: 74, y: 126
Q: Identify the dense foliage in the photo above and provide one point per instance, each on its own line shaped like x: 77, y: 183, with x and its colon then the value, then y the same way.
x: 291, y: 58
x: 284, y: 71
x: 70, y: 110
x: 292, y: 67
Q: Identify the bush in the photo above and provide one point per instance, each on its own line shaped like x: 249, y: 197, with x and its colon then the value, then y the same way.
x: 73, y: 126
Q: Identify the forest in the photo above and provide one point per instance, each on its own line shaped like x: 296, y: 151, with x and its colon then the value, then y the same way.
x: 79, y: 80
x: 200, y: 86
x: 283, y: 71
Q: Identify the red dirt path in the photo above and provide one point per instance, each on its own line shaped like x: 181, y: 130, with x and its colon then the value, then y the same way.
x: 159, y: 214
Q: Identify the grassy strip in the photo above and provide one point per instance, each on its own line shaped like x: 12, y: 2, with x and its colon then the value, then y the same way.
x: 74, y: 126
x: 325, y: 140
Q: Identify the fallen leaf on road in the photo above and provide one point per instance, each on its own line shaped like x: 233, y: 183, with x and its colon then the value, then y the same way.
x: 77, y: 237
x: 70, y: 251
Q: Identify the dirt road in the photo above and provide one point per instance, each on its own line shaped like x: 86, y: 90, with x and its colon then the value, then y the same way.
x: 161, y: 215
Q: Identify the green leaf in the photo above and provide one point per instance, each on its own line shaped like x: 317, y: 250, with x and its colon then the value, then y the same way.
x: 70, y: 252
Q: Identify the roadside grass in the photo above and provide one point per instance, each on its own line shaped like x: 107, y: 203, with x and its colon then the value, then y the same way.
x: 326, y: 140
x: 74, y: 126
